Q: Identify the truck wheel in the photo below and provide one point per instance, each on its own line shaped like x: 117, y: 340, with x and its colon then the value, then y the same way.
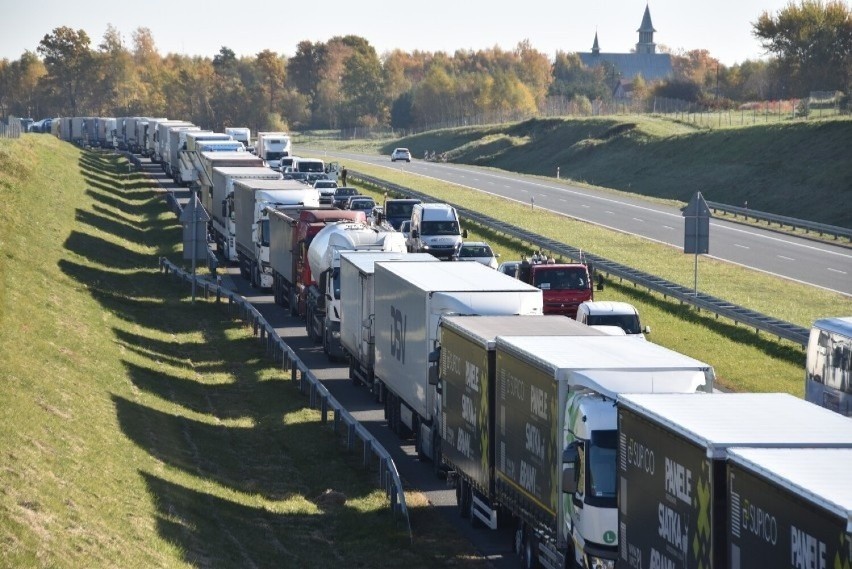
x: 518, y: 538
x: 352, y: 375
x: 437, y: 456
x: 463, y: 498
x: 418, y: 444
x: 252, y: 279
x: 529, y: 559
x: 291, y: 301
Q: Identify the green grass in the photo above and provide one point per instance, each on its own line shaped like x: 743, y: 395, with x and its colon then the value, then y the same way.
x: 141, y: 430
x: 795, y: 168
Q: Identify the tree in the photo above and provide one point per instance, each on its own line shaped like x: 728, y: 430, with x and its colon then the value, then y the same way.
x: 68, y: 60
x: 813, y: 41
x: 273, y: 73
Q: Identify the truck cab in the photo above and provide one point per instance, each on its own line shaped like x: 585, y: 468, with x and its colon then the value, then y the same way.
x: 564, y: 286
x: 398, y: 210
x: 435, y: 229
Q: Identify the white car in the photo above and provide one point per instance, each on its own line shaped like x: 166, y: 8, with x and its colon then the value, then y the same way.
x: 326, y: 189
x: 605, y: 314
x: 479, y: 252
x: 401, y: 154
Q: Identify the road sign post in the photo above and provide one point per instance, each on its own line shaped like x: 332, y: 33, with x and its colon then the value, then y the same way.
x: 696, y: 236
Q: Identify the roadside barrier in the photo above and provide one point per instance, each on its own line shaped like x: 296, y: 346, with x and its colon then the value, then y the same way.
x: 341, y: 421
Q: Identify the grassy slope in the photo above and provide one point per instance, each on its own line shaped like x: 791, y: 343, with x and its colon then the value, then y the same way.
x: 138, y: 430
x: 800, y: 169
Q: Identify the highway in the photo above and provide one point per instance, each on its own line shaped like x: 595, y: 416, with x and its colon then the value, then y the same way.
x: 806, y: 261
x: 495, y: 546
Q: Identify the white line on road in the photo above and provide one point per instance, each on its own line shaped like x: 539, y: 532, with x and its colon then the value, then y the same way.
x: 585, y: 205
x: 667, y: 227
x: 836, y: 271
x: 609, y: 212
x: 741, y: 246
x: 637, y: 219
x: 786, y: 258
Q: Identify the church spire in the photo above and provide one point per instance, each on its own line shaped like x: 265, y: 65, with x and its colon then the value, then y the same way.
x: 596, y: 49
x: 646, y: 34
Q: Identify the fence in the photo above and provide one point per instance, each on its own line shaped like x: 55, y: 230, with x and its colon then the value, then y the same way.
x: 782, y: 220
x: 702, y: 301
x: 342, y: 422
x: 12, y: 130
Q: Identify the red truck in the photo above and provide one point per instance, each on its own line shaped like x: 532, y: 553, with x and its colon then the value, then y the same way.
x: 290, y: 235
x: 563, y: 286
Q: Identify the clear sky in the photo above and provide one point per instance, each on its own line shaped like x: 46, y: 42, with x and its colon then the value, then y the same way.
x: 723, y: 27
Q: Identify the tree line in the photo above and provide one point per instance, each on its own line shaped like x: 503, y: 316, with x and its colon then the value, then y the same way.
x: 344, y: 82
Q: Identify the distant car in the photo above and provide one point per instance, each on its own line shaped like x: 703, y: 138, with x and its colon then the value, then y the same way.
x: 342, y: 195
x: 478, y: 251
x: 401, y: 154
x: 361, y: 203
x: 312, y: 177
x: 622, y: 315
x: 509, y: 268
x: 326, y: 190
x: 300, y: 176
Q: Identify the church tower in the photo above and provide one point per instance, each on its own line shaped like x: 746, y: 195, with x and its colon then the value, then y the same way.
x: 646, y: 34
x: 596, y: 49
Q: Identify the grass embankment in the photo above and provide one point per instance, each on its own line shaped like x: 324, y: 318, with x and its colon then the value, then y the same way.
x: 800, y: 169
x: 744, y: 360
x: 139, y: 430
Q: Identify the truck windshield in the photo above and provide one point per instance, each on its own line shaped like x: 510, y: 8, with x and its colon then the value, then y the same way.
x: 560, y: 278
x: 272, y: 155
x: 311, y: 167
x: 627, y: 322
x: 602, y: 464
x: 399, y: 209
x: 439, y: 228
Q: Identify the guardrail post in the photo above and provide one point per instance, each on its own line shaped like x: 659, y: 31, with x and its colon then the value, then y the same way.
x: 323, y: 410
x: 367, y: 450
x: 350, y: 436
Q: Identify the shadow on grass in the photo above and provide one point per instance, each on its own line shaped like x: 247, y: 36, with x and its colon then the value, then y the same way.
x: 211, y: 531
x: 721, y: 326
x: 114, y: 225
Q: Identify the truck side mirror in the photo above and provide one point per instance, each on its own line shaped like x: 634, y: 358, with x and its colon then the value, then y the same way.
x: 224, y: 208
x: 415, y: 234
x: 646, y: 330
x: 569, y: 469
x: 600, y: 280
x: 464, y: 234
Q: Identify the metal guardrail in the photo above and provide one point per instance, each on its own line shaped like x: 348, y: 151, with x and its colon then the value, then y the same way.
x: 702, y: 301
x: 822, y: 228
x: 342, y: 423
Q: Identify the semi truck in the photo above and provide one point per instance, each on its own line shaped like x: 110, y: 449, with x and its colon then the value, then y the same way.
x: 357, y: 308
x: 410, y: 300
x: 673, y: 451
x: 290, y: 235
x: 222, y: 221
x: 161, y: 144
x: 197, y: 141
x: 322, y: 296
x: 272, y: 146
x: 210, y: 160
x: 252, y: 201
x: 171, y: 158
x: 564, y: 285
x: 789, y: 508
x: 519, y: 410
x: 241, y: 133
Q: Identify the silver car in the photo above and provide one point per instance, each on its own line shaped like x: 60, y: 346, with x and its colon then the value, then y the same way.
x: 401, y: 154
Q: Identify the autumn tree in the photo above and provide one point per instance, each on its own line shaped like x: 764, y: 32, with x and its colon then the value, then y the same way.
x: 68, y: 61
x: 813, y: 42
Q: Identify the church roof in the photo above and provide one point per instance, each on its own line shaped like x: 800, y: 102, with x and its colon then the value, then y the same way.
x: 646, y: 25
x: 652, y: 66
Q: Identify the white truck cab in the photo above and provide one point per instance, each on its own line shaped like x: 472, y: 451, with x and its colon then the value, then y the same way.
x: 607, y: 314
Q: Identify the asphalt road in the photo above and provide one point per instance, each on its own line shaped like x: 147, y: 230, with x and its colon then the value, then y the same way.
x: 803, y: 260
x: 495, y: 546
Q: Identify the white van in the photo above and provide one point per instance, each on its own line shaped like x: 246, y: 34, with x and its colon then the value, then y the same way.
x: 435, y: 229
x: 607, y: 314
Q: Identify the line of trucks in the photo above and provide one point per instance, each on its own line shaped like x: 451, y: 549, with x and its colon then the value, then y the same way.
x: 596, y: 450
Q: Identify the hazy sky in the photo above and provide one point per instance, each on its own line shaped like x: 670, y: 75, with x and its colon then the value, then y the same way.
x: 723, y: 27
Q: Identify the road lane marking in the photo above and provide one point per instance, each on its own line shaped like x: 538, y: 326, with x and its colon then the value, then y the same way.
x: 786, y: 258
x: 741, y: 246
